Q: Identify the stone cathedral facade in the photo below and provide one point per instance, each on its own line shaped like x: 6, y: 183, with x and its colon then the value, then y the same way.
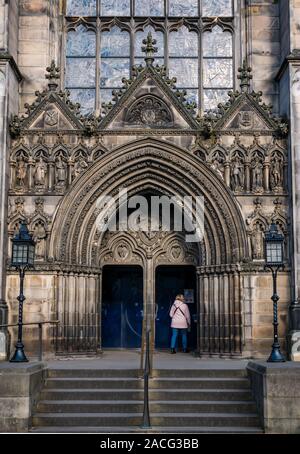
x: 161, y: 99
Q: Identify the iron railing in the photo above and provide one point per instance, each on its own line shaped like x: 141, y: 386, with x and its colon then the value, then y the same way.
x: 146, y: 424
x: 40, y: 325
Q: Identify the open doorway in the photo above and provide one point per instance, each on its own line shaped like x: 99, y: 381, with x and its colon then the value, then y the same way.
x: 122, y: 306
x: 171, y: 280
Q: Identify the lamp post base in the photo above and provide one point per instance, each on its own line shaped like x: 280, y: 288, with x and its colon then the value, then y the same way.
x: 19, y: 355
x: 276, y: 356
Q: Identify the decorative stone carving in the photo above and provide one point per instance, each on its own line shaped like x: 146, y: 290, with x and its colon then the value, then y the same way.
x: 257, y: 175
x: 149, y: 111
x: 39, y: 236
x: 21, y: 173
x: 50, y: 117
x: 237, y: 175
x: 40, y: 173
x: 276, y: 173
x: 257, y: 242
x: 79, y: 167
x: 61, y: 172
x: 245, y: 119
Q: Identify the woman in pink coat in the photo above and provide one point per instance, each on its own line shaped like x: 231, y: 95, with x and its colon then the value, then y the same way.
x: 181, y: 321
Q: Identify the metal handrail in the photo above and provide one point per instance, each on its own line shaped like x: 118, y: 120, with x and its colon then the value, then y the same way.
x: 147, y: 369
x: 40, y: 325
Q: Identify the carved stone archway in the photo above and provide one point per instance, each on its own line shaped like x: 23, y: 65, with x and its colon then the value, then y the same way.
x: 157, y: 166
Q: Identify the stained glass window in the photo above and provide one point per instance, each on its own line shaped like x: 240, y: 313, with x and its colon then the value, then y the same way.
x: 115, y: 59
x: 115, y: 8
x: 80, y: 76
x: 81, y: 8
x: 188, y: 8
x: 214, y: 8
x: 217, y: 67
x: 183, y: 52
x: 149, y: 8
x: 105, y: 41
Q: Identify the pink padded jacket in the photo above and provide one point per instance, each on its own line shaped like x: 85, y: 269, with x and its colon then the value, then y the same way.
x: 180, y: 315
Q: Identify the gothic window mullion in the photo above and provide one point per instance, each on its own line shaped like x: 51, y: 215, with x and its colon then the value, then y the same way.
x: 98, y: 57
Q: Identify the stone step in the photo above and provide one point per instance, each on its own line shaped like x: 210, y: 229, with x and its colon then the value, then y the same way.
x: 138, y: 394
x: 162, y: 383
x: 92, y: 373
x: 131, y: 373
x: 134, y: 419
x: 136, y: 406
x: 153, y: 430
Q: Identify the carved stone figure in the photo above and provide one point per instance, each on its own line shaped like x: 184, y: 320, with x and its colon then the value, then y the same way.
x: 61, y: 172
x: 39, y: 235
x: 40, y: 173
x: 276, y: 173
x: 218, y: 167
x: 237, y: 175
x: 21, y: 172
x: 79, y: 167
x: 257, y: 243
x: 257, y: 174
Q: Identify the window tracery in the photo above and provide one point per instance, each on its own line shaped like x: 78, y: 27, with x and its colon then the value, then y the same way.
x: 104, y: 39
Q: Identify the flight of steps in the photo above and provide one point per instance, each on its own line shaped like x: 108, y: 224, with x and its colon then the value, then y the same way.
x: 181, y: 401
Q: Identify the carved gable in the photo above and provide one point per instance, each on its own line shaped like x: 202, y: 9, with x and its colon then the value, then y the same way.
x: 148, y: 103
x: 51, y: 117
x: 247, y: 117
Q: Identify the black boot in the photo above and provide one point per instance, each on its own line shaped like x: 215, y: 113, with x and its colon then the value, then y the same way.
x: 173, y: 350
x: 186, y: 350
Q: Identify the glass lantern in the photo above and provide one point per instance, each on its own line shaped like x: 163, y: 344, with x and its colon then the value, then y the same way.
x: 23, y: 248
x: 274, y: 246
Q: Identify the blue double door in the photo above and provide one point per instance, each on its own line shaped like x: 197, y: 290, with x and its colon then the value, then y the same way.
x: 122, y: 304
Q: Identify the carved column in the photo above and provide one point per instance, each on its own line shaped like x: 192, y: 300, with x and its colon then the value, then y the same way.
x: 227, y: 173
x: 247, y: 176
x: 70, y: 171
x: 51, y: 175
x: 266, y: 176
x: 12, y: 174
x: 31, y: 167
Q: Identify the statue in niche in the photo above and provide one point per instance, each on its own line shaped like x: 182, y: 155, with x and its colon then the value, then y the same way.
x: 237, y: 175
x: 61, y: 172
x: 276, y: 173
x: 257, y: 174
x: 218, y: 167
x: 40, y: 173
x: 79, y: 167
x: 39, y: 236
x: 21, y: 172
x: 257, y: 243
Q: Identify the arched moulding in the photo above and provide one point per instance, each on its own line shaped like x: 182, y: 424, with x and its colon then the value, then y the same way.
x: 225, y: 24
x: 138, y: 165
x: 108, y: 24
x: 89, y: 25
x: 155, y: 24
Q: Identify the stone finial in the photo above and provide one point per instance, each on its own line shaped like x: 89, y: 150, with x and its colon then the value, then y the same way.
x: 53, y: 73
x: 149, y: 49
x: 245, y: 76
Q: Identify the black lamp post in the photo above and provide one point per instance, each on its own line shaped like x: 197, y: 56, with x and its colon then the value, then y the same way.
x: 23, y: 248
x: 274, y: 261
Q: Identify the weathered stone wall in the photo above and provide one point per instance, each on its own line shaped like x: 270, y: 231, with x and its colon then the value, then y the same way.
x: 39, y: 306
x: 264, y: 47
x: 276, y: 390
x: 37, y: 44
